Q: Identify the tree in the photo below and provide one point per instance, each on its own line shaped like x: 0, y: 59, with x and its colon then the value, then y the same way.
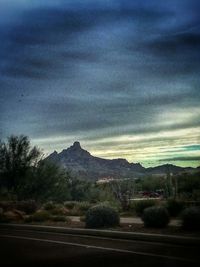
x: 169, y: 192
x: 189, y: 186
x: 46, y: 182
x: 16, y: 158
x: 25, y: 174
x: 82, y: 190
x: 123, y: 191
x: 150, y: 183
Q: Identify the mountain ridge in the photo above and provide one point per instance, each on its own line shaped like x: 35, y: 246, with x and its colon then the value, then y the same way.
x: 81, y: 163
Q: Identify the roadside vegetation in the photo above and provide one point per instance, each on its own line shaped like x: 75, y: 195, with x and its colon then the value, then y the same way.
x: 155, y: 216
x: 33, y: 190
x: 101, y: 216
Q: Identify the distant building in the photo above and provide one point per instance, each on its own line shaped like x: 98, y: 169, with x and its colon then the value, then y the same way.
x: 105, y: 180
x: 109, y: 179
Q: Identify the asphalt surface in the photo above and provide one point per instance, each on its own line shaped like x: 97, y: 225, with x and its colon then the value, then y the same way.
x: 29, y: 247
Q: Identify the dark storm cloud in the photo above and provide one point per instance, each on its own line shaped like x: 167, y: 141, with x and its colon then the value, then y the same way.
x: 79, y: 56
x: 99, y: 69
x: 173, y: 54
x: 182, y: 45
x: 39, y: 30
x: 45, y: 28
x: 73, y: 115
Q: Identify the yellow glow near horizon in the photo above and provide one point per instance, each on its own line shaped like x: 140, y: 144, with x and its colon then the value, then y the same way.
x: 144, y: 147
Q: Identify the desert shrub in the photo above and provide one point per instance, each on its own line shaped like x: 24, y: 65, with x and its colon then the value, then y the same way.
x: 5, y: 205
x: 77, y: 208
x: 55, y: 209
x: 83, y: 206
x: 8, y: 205
x: 28, y: 206
x: 156, y: 217
x: 49, y: 205
x: 101, y: 216
x: 174, y: 207
x: 59, y: 210
x: 40, y: 216
x: 6, y: 195
x: 113, y: 204
x: 75, y: 212
x: 28, y: 218
x: 82, y: 218
x: 190, y: 218
x: 3, y: 218
x: 140, y: 206
x: 70, y: 204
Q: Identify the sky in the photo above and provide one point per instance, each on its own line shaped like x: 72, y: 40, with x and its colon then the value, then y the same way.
x: 120, y: 76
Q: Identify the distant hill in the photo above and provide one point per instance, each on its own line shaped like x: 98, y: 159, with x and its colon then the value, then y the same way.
x: 81, y: 163
x: 167, y: 168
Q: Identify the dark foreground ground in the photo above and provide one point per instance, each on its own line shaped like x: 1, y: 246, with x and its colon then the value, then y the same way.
x: 28, y: 247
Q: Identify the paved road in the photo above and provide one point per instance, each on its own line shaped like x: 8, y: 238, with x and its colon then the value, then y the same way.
x: 32, y: 247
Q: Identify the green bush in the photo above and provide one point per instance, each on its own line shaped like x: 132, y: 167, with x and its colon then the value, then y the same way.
x: 157, y: 217
x: 174, y: 207
x: 113, y: 204
x: 140, y: 206
x: 190, y: 218
x: 40, y: 216
x: 101, y: 216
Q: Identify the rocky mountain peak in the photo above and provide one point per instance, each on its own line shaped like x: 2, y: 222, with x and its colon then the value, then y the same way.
x: 76, y: 145
x: 74, y: 151
x: 82, y: 163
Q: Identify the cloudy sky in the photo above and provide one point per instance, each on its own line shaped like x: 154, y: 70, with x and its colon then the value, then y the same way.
x: 120, y: 76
